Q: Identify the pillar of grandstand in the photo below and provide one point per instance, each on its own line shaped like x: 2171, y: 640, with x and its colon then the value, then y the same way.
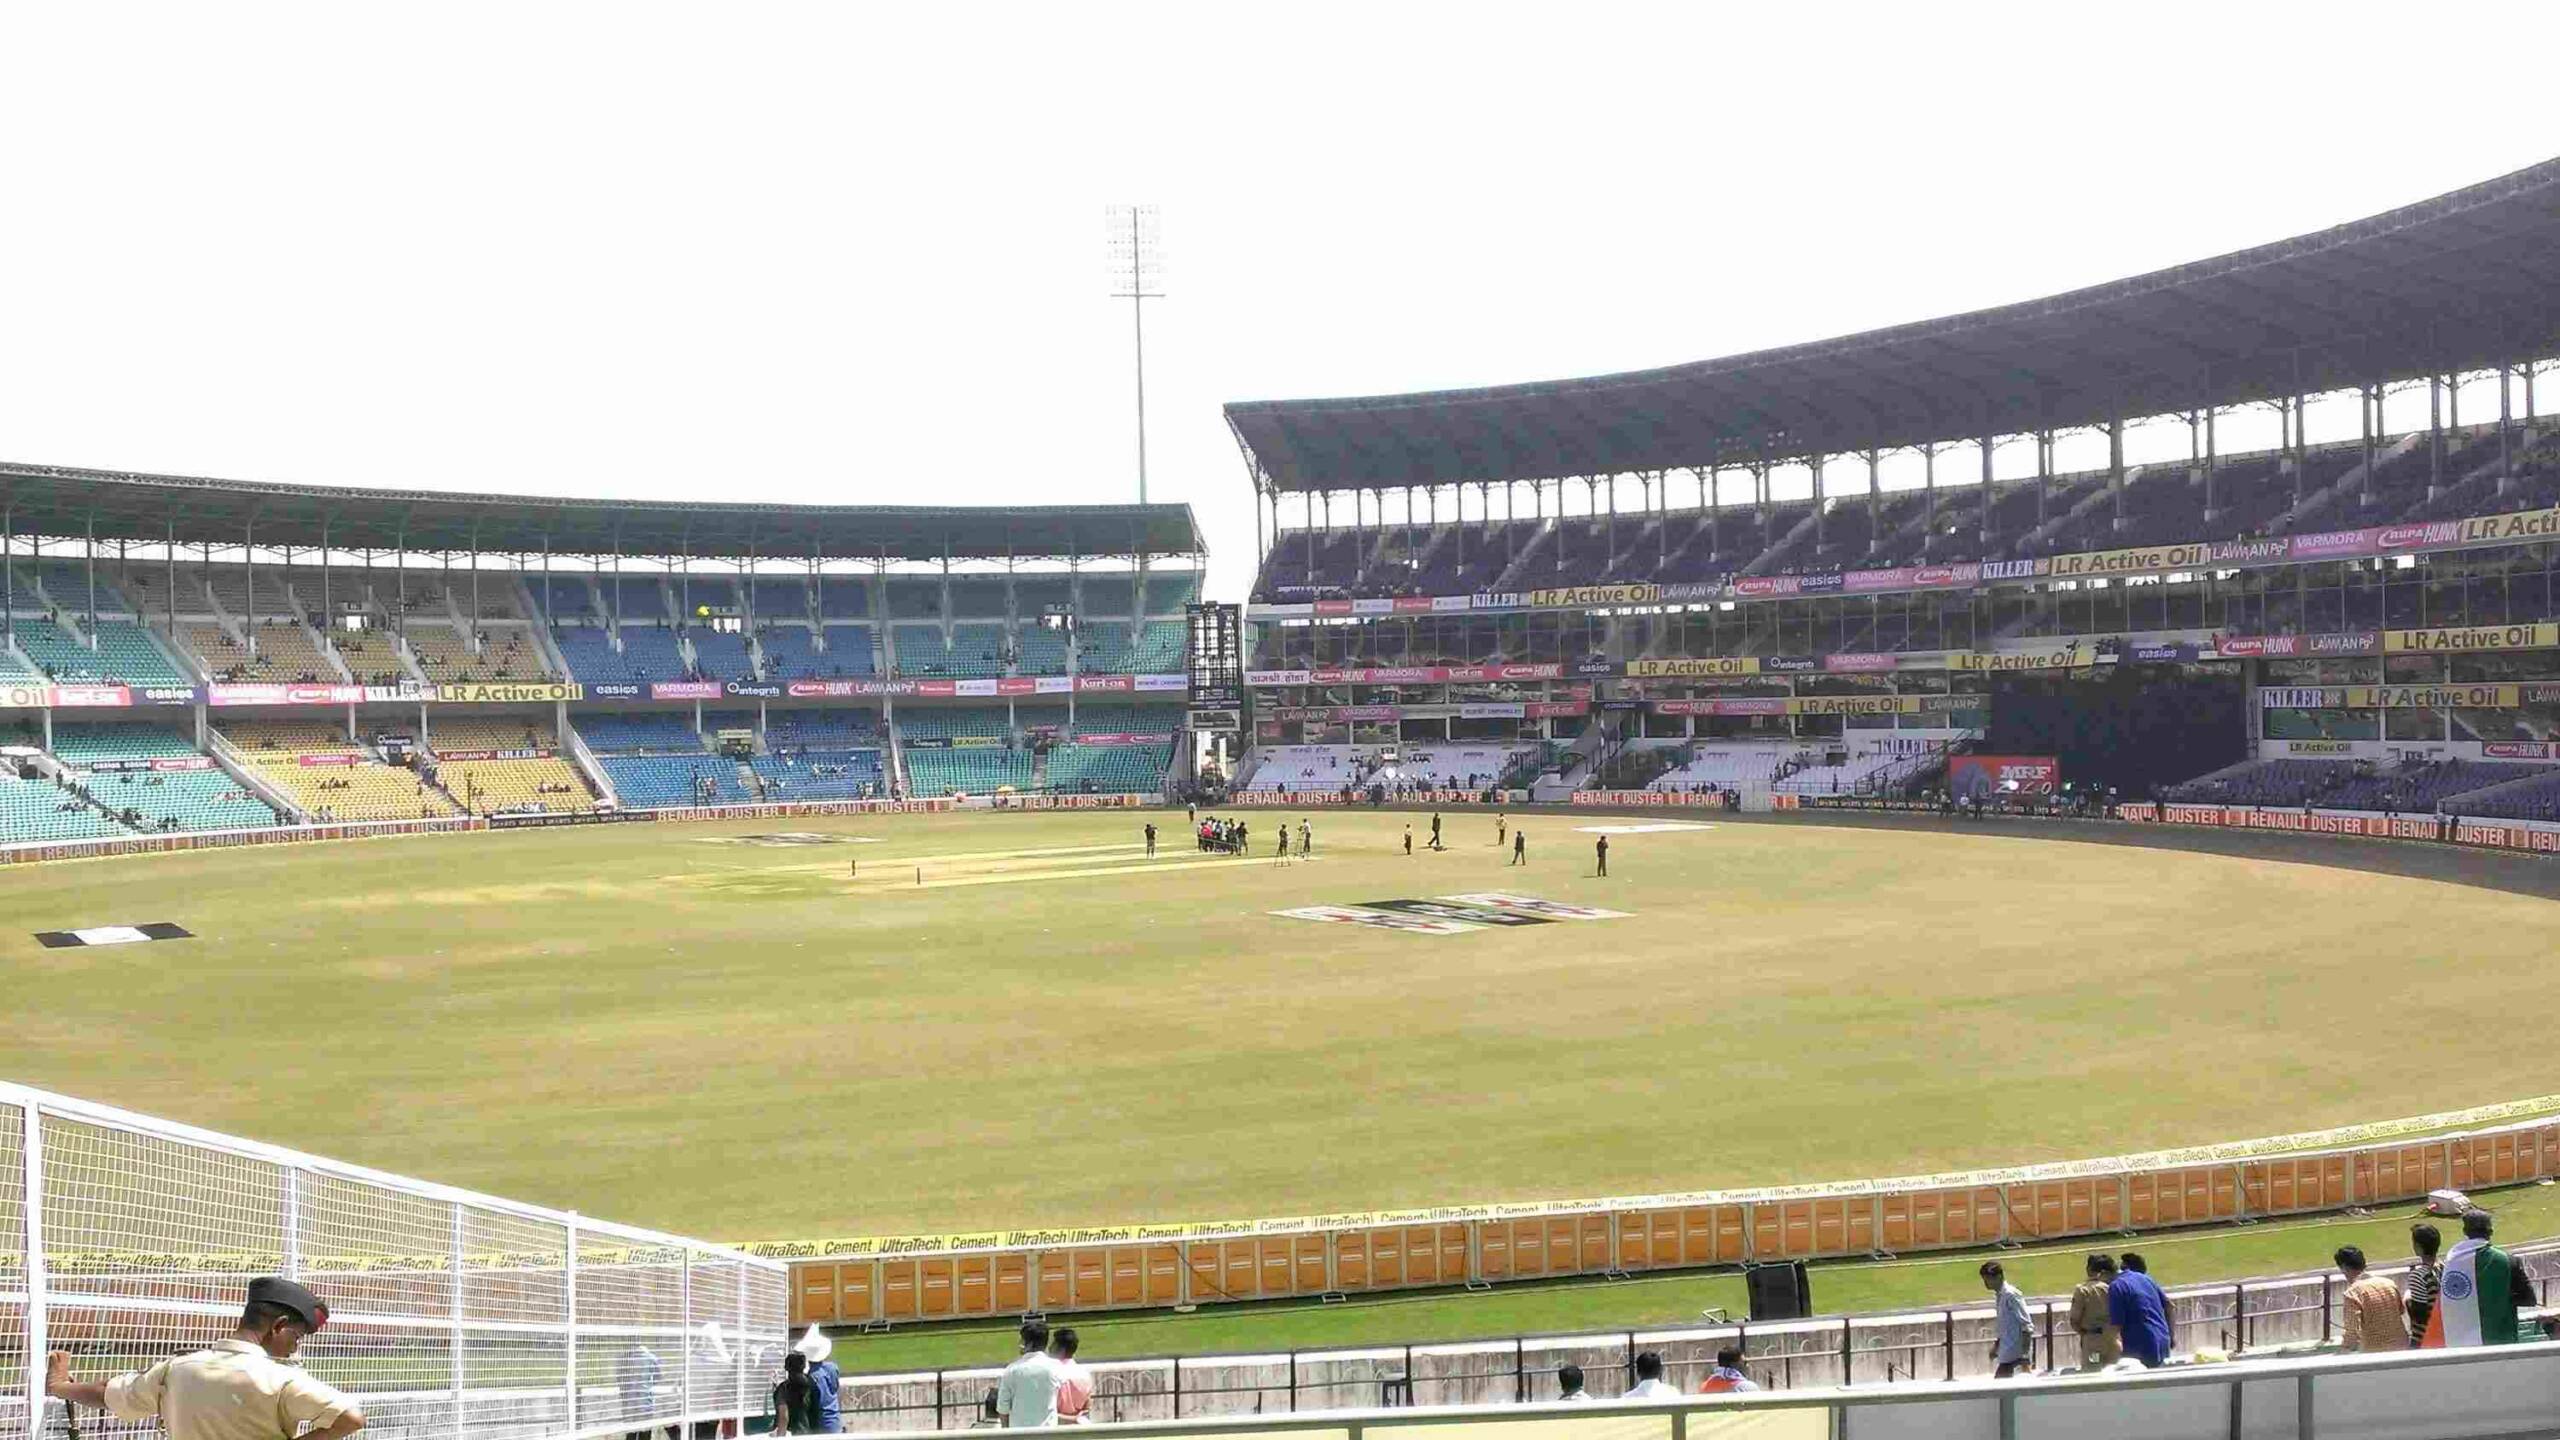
x: 330, y: 777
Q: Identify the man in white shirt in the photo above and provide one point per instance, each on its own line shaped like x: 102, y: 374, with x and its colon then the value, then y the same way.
x: 1569, y: 1389
x: 236, y: 1389
x: 1649, y: 1382
x: 1027, y: 1394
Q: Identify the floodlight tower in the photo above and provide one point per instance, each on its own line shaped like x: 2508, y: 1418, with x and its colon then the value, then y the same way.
x: 1134, y: 244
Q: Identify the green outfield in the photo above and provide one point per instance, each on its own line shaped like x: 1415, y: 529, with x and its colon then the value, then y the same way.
x: 1011, y: 1020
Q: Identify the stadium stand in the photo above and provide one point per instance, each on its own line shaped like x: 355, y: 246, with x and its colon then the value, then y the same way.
x: 951, y: 750
x: 656, y: 780
x: 1167, y: 594
x: 1108, y: 769
x: 41, y: 810
x: 445, y: 657
x: 719, y: 654
x: 1104, y: 717
x: 851, y: 650
x: 609, y: 733
x: 149, y: 799
x: 823, y: 729
x: 791, y: 653
x: 330, y: 777
x: 68, y: 583
x: 125, y: 654
x: 1111, y: 650
x: 564, y: 597
x: 1040, y: 650
x: 1301, y: 768
x: 538, y: 777
x: 286, y: 651
x: 372, y: 656
x: 1107, y: 594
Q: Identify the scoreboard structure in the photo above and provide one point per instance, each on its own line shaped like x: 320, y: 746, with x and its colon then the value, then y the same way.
x: 1213, y: 662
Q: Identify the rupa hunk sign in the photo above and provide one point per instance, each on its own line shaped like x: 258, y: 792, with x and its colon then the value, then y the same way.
x: 1988, y: 777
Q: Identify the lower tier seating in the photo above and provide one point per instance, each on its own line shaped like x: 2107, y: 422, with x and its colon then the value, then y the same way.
x: 644, y: 781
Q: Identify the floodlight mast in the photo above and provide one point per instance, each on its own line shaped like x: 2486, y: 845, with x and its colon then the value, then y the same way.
x: 1135, y: 244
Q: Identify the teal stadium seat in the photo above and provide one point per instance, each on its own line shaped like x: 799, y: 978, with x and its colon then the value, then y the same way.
x: 39, y: 810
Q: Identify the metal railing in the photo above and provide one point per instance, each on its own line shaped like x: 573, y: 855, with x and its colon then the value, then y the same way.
x: 125, y: 1240
x: 2468, y: 1394
x: 1945, y: 1344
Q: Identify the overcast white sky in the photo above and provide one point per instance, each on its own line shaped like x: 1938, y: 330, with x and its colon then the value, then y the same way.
x: 853, y: 253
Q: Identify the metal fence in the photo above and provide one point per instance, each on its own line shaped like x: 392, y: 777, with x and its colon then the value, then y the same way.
x: 125, y: 1240
x: 2274, y: 1314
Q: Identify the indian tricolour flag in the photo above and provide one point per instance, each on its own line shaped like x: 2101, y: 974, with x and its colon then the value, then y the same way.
x: 2471, y: 1300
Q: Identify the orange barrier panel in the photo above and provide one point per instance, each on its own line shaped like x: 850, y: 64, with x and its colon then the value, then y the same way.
x: 997, y: 1280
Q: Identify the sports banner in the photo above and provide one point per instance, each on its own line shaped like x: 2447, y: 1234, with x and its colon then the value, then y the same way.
x: 1708, y: 668
x: 2343, y: 642
x: 99, y: 695
x: 220, y: 693
x: 1988, y: 777
x: 1580, y: 597
x: 684, y: 690
x: 2484, y: 696
x: 330, y: 759
x: 1118, y: 737
x: 2073, y: 656
x: 460, y: 755
x: 515, y: 692
x: 977, y: 742
x: 2462, y: 639
x: 1105, y: 684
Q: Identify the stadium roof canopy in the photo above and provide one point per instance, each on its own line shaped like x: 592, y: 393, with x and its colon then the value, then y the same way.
x: 46, y: 500
x: 2461, y: 282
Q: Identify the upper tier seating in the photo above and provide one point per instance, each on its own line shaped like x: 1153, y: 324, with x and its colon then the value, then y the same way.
x: 564, y: 597
x: 371, y: 656
x: 829, y: 729
x: 1106, y: 717
x: 1109, y: 650
x: 68, y: 583
x: 1299, y: 768
x: 1167, y: 594
x: 445, y: 657
x: 125, y: 654
x: 719, y: 655
x: 285, y: 652
x: 2253, y: 494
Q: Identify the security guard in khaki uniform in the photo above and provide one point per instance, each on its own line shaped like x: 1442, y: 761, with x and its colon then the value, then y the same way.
x: 236, y: 1389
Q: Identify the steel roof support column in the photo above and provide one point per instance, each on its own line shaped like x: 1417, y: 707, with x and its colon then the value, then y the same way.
x: 2212, y: 454
x: 9, y: 570
x: 2115, y: 466
x: 2435, y: 436
x: 2369, y: 421
x: 1985, y: 443
x: 1821, y: 523
x: 170, y: 555
x: 2507, y: 418
x: 1929, y: 496
x: 93, y: 571
x: 2044, y: 473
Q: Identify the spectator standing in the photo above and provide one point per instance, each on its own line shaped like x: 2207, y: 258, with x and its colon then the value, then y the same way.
x: 2419, y: 1285
x: 2100, y: 1346
x: 1649, y: 1382
x: 2139, y: 1310
x: 1075, y: 1383
x: 2012, y: 1349
x: 2371, y: 1316
x: 795, y: 1400
x: 1569, y: 1384
x: 242, y: 1388
x: 826, y: 1379
x: 2479, y: 1291
x: 1027, y: 1392
x: 1727, y: 1378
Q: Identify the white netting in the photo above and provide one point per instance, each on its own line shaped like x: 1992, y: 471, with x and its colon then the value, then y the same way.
x: 450, y: 1316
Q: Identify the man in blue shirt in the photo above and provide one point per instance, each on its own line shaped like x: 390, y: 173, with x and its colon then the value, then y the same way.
x: 826, y: 1378
x: 2014, y: 1350
x: 2139, y: 1311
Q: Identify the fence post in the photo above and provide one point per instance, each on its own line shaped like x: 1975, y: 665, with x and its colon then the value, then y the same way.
x: 1951, y: 1344
x: 1844, y: 1353
x: 2240, y: 1315
x: 2327, y: 1332
x: 32, y: 1159
x: 570, y: 1302
x: 459, y: 1429
x: 1177, y: 1386
x: 684, y: 1332
x: 1519, y: 1370
x: 739, y: 1401
x: 292, y: 1222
